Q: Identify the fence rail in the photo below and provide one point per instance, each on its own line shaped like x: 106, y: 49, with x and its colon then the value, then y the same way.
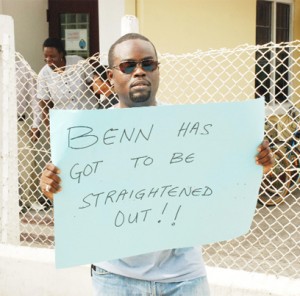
x: 245, y: 72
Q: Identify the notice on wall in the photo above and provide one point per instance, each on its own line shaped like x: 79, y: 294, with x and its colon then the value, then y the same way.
x: 184, y: 175
x: 76, y: 39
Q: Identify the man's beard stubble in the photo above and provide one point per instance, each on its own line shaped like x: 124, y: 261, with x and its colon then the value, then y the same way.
x: 139, y: 97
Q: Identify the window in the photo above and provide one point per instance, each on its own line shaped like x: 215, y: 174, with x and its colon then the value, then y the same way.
x: 75, y: 21
x: 273, y: 22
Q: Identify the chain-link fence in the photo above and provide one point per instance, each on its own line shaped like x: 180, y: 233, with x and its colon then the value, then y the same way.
x: 273, y: 244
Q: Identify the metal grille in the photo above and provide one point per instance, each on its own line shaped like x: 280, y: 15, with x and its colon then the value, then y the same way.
x: 273, y: 244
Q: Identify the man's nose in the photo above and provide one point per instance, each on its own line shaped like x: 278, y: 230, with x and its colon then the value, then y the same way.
x: 139, y: 71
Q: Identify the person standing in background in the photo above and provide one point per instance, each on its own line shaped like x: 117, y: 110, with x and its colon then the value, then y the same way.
x: 103, y: 89
x: 63, y: 83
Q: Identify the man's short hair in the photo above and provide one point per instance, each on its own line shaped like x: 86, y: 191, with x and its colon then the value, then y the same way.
x: 129, y: 36
x: 56, y: 43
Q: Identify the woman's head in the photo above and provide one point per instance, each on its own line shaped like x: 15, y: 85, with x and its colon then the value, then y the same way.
x: 101, y: 83
x: 54, y: 53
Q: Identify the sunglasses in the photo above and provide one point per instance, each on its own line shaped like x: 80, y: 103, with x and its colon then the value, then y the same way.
x: 130, y: 66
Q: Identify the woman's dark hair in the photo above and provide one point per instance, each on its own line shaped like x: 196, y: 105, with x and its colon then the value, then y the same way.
x: 101, y: 72
x: 56, y: 43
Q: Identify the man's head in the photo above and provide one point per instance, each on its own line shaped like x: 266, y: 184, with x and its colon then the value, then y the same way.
x: 133, y: 70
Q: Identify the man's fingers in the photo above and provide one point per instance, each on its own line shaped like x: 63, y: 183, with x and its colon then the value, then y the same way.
x: 265, y: 156
x: 50, y: 181
x: 51, y: 185
x: 51, y: 167
x: 50, y: 176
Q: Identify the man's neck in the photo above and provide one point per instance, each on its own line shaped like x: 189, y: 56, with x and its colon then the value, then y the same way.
x: 143, y: 104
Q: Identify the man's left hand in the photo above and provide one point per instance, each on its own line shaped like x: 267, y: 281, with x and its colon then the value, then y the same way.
x: 265, y: 156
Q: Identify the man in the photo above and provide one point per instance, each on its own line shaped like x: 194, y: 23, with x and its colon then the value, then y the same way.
x: 134, y: 73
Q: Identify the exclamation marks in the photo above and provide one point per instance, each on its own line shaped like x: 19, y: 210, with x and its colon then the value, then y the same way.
x: 176, y: 215
x: 163, y: 211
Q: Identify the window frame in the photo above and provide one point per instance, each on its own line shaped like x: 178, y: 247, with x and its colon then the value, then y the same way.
x: 273, y: 101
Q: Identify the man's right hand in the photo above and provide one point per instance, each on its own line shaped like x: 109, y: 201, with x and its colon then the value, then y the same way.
x: 50, y: 181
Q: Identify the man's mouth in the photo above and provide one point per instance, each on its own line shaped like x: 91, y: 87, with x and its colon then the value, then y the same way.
x: 140, y: 84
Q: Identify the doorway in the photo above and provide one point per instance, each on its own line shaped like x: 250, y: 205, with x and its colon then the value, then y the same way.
x: 75, y: 22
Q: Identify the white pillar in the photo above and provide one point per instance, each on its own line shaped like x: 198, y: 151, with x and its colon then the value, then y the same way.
x: 129, y: 24
x: 9, y: 205
x: 110, y: 15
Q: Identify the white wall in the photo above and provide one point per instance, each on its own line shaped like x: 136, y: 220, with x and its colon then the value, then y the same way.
x: 110, y: 14
x: 31, y: 28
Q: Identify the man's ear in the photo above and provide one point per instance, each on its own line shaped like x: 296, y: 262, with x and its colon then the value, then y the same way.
x: 110, y: 76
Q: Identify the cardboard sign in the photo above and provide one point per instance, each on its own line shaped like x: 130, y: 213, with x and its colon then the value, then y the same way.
x: 139, y: 180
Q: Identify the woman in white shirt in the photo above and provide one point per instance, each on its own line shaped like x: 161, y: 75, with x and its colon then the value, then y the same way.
x: 63, y: 83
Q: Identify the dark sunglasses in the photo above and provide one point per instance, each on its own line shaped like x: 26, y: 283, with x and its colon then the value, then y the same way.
x: 130, y: 66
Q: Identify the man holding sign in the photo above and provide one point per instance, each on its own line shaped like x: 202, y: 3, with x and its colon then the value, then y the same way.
x: 134, y: 74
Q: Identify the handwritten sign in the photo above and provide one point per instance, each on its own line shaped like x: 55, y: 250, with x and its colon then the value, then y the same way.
x: 140, y: 180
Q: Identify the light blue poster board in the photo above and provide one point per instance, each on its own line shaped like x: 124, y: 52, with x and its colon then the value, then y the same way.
x: 140, y: 180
